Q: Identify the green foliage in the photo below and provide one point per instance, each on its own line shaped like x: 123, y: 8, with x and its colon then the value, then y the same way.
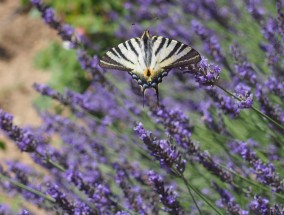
x: 66, y: 70
x: 91, y: 17
x: 2, y: 145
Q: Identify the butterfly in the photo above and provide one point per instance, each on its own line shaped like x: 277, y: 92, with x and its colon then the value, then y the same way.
x: 149, y: 58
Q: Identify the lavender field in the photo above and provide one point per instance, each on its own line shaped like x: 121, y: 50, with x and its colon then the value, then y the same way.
x: 213, y: 145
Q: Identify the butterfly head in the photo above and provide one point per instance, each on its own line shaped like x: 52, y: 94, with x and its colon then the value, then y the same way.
x: 146, y: 34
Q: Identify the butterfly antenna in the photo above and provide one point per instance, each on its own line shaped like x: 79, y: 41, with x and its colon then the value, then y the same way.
x: 153, y: 21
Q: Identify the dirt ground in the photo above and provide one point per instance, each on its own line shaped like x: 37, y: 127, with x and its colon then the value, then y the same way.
x: 21, y: 38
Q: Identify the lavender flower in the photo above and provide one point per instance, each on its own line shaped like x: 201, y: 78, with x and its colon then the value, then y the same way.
x: 244, y: 93
x: 243, y: 67
x: 135, y: 200
x: 273, y: 111
x: 22, y: 137
x: 275, y: 86
x: 65, y: 31
x: 61, y: 199
x: 228, y: 201
x: 208, y: 162
x: 211, y: 41
x: 167, y: 196
x: 256, y: 9
x: 260, y: 205
x: 176, y: 124
x: 162, y: 150
x: 207, y: 74
x: 99, y: 193
x: 24, y: 212
x: 4, y: 209
x: 224, y: 103
x: 280, y: 17
x: 122, y: 213
x: 265, y: 172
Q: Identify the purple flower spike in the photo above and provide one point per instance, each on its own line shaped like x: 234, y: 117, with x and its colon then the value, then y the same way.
x: 49, y: 16
x: 36, y: 2
x: 61, y: 199
x: 208, y: 74
x: 134, y: 199
x: 260, y: 205
x: 244, y: 93
x: 162, y: 150
x: 176, y: 124
x: 24, y: 212
x: 228, y: 201
x: 122, y: 213
x: 65, y: 31
x: 167, y: 196
x: 25, y: 140
x: 265, y: 172
x: 4, y: 209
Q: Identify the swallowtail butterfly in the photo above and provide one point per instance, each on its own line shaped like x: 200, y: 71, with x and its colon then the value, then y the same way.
x: 148, y: 59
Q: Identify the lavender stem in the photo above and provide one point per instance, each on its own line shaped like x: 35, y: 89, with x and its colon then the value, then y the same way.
x: 189, y: 186
x: 251, y: 181
x: 252, y: 107
x: 22, y: 186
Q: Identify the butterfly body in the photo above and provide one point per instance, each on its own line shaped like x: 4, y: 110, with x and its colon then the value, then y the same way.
x: 148, y: 59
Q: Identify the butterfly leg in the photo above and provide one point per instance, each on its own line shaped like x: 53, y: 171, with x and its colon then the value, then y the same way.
x: 143, y: 92
x: 157, y: 94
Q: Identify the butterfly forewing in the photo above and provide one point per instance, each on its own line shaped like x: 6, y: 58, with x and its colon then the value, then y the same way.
x: 123, y: 57
x: 171, y: 53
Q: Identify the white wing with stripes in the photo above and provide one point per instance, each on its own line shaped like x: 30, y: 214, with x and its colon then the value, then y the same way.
x: 126, y: 56
x: 168, y: 53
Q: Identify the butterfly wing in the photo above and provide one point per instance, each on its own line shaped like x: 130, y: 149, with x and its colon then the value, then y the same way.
x: 124, y: 57
x: 170, y: 54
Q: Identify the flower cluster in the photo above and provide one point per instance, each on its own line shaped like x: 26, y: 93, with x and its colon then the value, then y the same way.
x: 48, y: 15
x: 227, y: 200
x: 244, y: 93
x: 176, y: 124
x: 162, y: 150
x: 167, y: 195
x: 25, y: 140
x: 265, y: 172
x: 207, y: 74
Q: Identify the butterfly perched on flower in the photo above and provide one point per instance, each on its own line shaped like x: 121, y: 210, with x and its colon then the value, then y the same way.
x: 148, y: 59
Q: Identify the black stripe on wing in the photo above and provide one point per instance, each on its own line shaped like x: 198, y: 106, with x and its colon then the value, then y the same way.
x: 132, y: 47
x: 161, y: 45
x: 119, y: 52
x: 192, y: 57
x: 108, y: 63
x: 177, y: 46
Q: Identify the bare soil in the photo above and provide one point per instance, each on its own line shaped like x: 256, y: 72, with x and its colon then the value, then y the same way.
x: 21, y: 38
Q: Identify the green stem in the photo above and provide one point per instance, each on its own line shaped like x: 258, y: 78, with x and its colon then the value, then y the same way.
x: 252, y: 107
x: 56, y: 165
x: 189, y: 186
x: 190, y: 193
x: 251, y: 182
x: 24, y: 187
